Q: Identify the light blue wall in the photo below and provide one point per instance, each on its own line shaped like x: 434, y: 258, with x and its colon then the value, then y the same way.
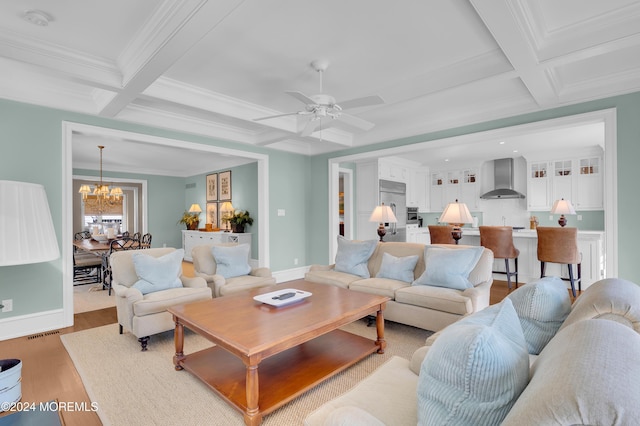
x: 31, y: 151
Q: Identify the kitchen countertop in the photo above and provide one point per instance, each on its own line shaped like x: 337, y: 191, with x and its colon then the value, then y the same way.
x: 521, y: 233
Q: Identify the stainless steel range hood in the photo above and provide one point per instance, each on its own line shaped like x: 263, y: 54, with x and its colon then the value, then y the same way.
x: 503, y: 175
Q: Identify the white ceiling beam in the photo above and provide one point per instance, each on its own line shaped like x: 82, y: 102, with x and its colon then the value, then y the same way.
x: 510, y: 36
x: 173, y: 30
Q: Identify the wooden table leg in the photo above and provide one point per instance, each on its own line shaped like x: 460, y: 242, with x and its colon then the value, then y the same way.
x: 382, y: 344
x: 252, y: 416
x: 178, y: 339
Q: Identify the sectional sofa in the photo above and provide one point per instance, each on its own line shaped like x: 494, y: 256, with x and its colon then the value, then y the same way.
x: 584, y: 369
x: 430, y: 307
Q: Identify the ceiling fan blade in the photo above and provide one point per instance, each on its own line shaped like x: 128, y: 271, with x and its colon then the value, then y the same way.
x: 360, y: 102
x: 310, y: 127
x: 279, y: 115
x: 301, y: 97
x: 356, y: 122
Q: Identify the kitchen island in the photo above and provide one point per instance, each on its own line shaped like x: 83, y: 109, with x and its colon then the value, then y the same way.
x: 590, y: 244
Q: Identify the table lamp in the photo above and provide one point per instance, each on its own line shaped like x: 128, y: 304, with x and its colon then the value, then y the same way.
x: 382, y: 214
x: 456, y: 214
x: 226, y: 211
x: 562, y: 207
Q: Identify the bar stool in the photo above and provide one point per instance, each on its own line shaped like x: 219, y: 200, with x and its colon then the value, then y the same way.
x: 441, y: 234
x: 499, y: 239
x: 560, y: 245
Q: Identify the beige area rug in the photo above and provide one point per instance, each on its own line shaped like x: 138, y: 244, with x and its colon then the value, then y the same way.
x: 142, y: 388
x: 91, y: 297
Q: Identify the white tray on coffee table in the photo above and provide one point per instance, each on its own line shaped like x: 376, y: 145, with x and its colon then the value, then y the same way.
x: 272, y: 298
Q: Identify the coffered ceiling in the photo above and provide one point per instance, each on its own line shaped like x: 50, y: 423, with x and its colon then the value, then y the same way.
x: 211, y: 67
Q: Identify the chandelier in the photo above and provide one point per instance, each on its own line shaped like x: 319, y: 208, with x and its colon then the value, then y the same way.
x: 101, y: 199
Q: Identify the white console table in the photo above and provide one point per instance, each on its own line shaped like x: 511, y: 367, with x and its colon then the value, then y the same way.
x: 190, y: 239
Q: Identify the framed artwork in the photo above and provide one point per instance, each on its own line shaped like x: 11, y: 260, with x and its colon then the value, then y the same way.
x: 212, y: 214
x: 212, y: 187
x: 225, y: 185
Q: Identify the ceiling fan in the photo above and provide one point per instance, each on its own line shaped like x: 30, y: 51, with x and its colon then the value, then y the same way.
x: 322, y: 106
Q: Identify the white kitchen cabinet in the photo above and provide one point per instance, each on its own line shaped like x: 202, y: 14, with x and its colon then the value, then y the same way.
x: 578, y: 179
x: 191, y: 239
x: 538, y: 186
x: 448, y: 186
x: 589, y: 187
x: 563, y: 180
x: 417, y: 189
x: 436, y: 192
x: 392, y: 171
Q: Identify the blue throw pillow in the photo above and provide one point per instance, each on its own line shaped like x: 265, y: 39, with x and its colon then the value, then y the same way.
x: 158, y: 273
x: 352, y: 256
x: 475, y: 370
x: 449, y: 268
x: 542, y: 306
x: 397, y: 268
x: 232, y: 261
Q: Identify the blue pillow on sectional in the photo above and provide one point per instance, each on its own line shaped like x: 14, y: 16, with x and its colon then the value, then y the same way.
x: 449, y: 268
x: 352, y: 256
x: 397, y: 268
x: 232, y: 261
x: 475, y: 370
x: 542, y: 306
x: 158, y: 273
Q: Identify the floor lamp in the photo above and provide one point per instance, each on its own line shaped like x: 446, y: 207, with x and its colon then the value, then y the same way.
x: 456, y: 214
x: 27, y: 236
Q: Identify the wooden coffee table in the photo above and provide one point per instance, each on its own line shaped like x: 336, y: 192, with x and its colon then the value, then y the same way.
x: 296, y: 346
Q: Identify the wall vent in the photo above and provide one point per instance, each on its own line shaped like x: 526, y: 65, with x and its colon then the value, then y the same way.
x: 190, y: 185
x: 39, y: 335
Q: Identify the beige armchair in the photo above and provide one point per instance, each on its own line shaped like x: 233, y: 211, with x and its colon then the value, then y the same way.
x: 204, y: 266
x: 146, y: 314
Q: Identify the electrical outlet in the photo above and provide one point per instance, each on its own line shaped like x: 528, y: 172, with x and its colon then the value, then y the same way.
x: 281, y: 212
x: 7, y: 305
x: 579, y: 217
x: 295, y: 261
x: 550, y: 217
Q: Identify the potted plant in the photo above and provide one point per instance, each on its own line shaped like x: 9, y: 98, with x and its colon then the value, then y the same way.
x: 191, y: 220
x: 239, y: 219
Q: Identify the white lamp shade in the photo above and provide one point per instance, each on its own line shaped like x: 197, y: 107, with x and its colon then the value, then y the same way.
x: 226, y: 207
x: 562, y: 206
x: 383, y: 214
x: 195, y: 208
x: 456, y: 213
x: 27, y: 234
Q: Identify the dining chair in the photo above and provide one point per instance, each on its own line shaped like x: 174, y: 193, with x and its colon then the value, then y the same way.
x: 137, y: 236
x: 560, y: 245
x: 145, y: 242
x: 441, y: 234
x: 115, y: 246
x: 499, y: 239
x: 125, y: 234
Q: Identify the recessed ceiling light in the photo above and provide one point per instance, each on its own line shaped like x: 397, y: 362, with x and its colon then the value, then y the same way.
x: 501, y: 142
x: 37, y: 17
x: 515, y: 150
x: 446, y: 159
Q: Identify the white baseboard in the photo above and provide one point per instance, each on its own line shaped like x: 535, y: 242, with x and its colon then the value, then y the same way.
x: 25, y: 325
x: 290, y: 274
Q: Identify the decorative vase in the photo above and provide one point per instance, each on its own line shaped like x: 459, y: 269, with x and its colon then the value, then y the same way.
x: 238, y: 229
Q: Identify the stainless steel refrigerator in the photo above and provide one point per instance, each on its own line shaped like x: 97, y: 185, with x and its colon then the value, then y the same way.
x: 394, y: 194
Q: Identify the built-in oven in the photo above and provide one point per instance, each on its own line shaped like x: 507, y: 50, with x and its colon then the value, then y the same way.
x: 412, y: 215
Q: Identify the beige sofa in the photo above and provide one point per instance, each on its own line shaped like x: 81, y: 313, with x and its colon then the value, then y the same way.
x: 204, y: 266
x: 588, y: 373
x: 427, y: 307
x: 146, y: 314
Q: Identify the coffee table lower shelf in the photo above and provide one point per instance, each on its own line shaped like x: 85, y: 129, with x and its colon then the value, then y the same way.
x: 283, y: 376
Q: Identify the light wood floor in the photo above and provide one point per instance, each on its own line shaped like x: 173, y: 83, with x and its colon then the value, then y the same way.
x: 48, y: 372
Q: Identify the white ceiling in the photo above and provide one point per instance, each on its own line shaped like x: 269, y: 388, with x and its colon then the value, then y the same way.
x: 210, y: 67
